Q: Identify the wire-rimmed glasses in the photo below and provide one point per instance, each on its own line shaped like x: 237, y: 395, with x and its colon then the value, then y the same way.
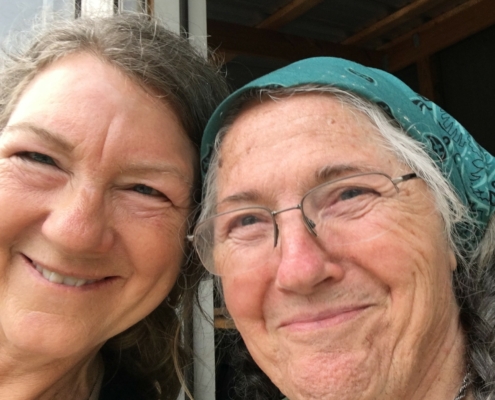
x: 343, y: 209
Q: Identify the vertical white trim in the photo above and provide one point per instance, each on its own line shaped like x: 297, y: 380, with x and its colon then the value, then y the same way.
x: 63, y: 8
x: 204, y: 345
x: 47, y: 11
x: 168, y: 11
x: 203, y: 332
x: 197, y: 24
x: 90, y: 8
x: 130, y: 5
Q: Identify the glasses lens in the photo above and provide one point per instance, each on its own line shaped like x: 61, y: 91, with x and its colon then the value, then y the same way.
x: 232, y: 242
x: 349, y: 210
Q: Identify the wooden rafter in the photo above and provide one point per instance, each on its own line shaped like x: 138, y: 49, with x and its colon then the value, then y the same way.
x: 393, y: 21
x: 288, y: 13
x: 232, y: 38
x: 447, y: 29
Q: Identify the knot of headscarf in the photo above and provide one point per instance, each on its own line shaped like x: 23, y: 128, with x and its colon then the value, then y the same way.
x: 469, y: 167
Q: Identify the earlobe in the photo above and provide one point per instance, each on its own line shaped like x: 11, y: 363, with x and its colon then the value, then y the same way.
x: 452, y: 260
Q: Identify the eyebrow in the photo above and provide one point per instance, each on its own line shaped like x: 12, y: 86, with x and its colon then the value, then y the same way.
x: 330, y: 172
x: 325, y: 174
x: 53, y: 138
x: 250, y: 196
x: 162, y: 169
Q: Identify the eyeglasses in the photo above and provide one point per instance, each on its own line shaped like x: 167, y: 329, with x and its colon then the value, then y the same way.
x: 342, y: 211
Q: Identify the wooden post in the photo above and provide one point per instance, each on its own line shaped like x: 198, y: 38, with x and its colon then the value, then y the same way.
x: 426, y: 78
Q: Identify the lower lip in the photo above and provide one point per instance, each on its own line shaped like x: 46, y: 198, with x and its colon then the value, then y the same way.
x: 325, y: 322
x: 83, y: 288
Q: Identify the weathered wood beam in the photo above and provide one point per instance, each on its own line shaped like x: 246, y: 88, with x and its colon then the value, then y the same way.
x: 449, y: 28
x: 393, y: 21
x: 288, y: 13
x: 222, y: 320
x: 224, y: 323
x: 232, y: 38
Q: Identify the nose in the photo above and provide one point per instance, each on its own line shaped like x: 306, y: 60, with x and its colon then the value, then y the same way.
x: 304, y: 263
x: 77, y: 222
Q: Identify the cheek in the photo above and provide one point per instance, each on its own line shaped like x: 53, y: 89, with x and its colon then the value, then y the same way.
x: 155, y: 242
x: 413, y: 260
x: 244, y: 297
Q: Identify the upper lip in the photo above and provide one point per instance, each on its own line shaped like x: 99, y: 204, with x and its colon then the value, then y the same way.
x: 312, y: 316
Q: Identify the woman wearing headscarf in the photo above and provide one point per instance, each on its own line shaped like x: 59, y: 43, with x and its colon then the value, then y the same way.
x: 349, y: 221
x: 100, y: 123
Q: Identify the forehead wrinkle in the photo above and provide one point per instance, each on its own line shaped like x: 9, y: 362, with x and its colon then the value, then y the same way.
x: 53, y: 138
x: 329, y: 172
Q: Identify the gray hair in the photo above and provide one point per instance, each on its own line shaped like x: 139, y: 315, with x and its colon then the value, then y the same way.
x: 170, y: 69
x: 474, y: 278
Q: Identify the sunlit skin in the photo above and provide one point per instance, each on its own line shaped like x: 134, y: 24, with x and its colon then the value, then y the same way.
x: 95, y: 180
x: 371, y: 320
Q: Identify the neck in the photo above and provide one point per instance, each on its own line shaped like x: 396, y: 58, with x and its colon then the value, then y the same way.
x: 444, y: 376
x: 24, y: 378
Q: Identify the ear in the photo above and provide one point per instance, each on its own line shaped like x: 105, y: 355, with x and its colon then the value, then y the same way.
x: 452, y: 260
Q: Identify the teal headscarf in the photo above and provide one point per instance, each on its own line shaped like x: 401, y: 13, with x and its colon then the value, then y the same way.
x: 469, y: 167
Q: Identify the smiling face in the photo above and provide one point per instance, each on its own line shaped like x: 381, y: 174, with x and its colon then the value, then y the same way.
x: 337, y: 319
x: 95, y: 182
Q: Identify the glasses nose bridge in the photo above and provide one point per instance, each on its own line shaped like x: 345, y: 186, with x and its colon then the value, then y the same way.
x: 296, y: 207
x: 309, y: 224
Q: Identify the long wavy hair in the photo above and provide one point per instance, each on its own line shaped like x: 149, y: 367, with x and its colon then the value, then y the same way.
x: 153, y: 351
x: 473, y: 281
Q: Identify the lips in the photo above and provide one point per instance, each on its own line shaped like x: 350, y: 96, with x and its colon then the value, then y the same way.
x: 327, y: 318
x: 56, y: 277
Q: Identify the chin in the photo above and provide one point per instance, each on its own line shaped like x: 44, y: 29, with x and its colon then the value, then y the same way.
x: 49, y: 336
x: 329, y: 377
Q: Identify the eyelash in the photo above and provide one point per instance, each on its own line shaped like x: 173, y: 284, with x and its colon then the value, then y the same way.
x: 156, y: 194
x: 32, y: 155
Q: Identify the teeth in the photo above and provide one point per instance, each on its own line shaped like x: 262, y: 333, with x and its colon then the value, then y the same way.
x: 64, y: 280
x: 70, y: 281
x: 46, y: 273
x: 56, y: 278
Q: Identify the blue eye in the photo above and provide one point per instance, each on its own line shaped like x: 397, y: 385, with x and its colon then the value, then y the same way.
x: 351, y: 193
x: 147, y: 191
x: 37, y: 157
x: 249, y: 220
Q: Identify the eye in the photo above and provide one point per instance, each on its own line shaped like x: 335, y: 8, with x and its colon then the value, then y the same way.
x: 246, y: 225
x: 148, y: 191
x: 248, y: 220
x: 40, y: 158
x: 354, y: 192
